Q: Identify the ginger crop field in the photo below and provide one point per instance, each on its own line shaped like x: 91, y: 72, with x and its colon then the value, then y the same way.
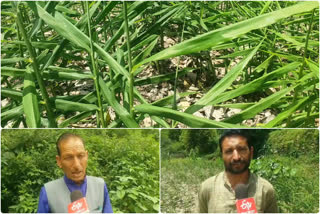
x: 165, y: 64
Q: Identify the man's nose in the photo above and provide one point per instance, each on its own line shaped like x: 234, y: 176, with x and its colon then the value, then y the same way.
x: 235, y: 155
x: 76, y: 163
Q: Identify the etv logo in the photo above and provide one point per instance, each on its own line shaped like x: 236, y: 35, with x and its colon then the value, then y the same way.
x: 76, y: 206
x: 246, y: 205
x: 79, y: 206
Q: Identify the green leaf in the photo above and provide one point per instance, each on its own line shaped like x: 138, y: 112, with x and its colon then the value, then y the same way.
x: 293, y: 41
x: 215, y: 37
x: 145, y: 52
x: 254, y: 85
x: 161, y: 78
x: 187, y: 119
x: 314, y: 67
x: 75, y: 119
x: 69, y: 106
x: 156, y: 207
x: 72, y: 33
x: 264, y: 65
x: 288, y: 112
x: 15, y: 112
x: 235, y: 54
x: 121, y: 194
x: 260, y: 106
x: 168, y: 100
x: 223, y: 84
x: 12, y: 72
x: 236, y: 105
x: 58, y: 73
x: 30, y: 100
x: 14, y: 94
x: 66, y: 10
x: 13, y: 60
x: 109, y: 96
x: 65, y: 28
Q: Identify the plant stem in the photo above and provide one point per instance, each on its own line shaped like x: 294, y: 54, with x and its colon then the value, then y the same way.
x: 174, y: 107
x: 126, y: 27
x: 95, y: 73
x: 303, y: 63
x: 51, y: 117
x: 309, y: 119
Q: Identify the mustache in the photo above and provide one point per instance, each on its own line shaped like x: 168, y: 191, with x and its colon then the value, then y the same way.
x: 237, y: 162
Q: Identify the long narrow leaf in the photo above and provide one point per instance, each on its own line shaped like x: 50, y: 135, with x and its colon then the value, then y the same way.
x: 75, y: 119
x: 223, y: 84
x: 259, y: 107
x: 11, y: 114
x: 120, y: 110
x: 286, y: 114
x: 14, y: 94
x: 255, y: 85
x: 189, y: 120
x: 65, y: 105
x: 224, y: 34
x: 72, y: 33
x: 30, y: 101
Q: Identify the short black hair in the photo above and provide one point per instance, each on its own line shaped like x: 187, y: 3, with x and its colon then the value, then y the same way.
x: 66, y: 136
x: 236, y: 132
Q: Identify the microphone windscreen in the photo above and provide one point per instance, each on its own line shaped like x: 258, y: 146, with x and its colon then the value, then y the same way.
x: 241, y: 191
x: 76, y: 195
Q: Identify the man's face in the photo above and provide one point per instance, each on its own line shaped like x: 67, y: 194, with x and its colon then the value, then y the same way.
x: 236, y: 154
x: 73, y: 159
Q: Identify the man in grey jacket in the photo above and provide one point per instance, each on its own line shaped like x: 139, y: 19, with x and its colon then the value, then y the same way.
x: 72, y: 159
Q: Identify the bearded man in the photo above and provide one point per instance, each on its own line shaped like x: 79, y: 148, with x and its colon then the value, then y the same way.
x: 217, y: 194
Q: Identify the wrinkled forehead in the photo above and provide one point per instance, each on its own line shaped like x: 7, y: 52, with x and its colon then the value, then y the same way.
x: 71, y: 143
x: 234, y: 141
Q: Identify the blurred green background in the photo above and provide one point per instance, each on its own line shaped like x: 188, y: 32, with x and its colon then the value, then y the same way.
x: 287, y: 158
x: 127, y: 159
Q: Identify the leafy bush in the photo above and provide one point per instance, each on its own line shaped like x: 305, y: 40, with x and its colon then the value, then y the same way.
x: 128, y: 160
x: 296, y: 187
x: 205, y: 140
x: 294, y: 142
x: 291, y: 157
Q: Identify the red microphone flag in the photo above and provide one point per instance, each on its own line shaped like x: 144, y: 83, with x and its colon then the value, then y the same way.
x: 246, y: 205
x: 78, y: 206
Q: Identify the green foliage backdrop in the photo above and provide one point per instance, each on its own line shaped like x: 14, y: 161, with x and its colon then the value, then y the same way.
x: 128, y: 160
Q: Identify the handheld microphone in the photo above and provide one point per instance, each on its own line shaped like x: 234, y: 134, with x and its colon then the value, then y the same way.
x: 243, y: 203
x: 78, y: 203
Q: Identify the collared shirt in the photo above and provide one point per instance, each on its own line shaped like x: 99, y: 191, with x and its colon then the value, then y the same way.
x: 43, y: 206
x: 217, y: 196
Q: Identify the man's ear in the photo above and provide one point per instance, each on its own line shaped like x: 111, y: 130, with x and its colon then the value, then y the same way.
x: 58, y: 159
x: 251, y: 151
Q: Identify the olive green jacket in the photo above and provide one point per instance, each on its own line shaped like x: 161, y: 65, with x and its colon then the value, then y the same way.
x: 217, y: 196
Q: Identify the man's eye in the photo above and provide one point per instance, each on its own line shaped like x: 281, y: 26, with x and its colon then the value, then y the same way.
x: 243, y: 150
x: 68, y: 158
x: 228, y: 152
